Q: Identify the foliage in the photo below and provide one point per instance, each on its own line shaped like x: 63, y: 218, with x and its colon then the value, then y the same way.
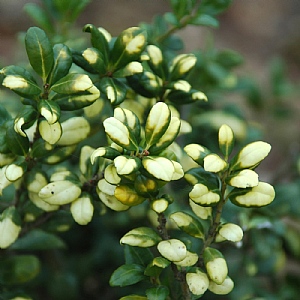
x: 100, y: 141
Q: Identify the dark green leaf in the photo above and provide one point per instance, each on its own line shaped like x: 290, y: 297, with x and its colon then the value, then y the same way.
x: 137, y: 255
x: 18, y: 144
x: 114, y: 89
x: 62, y: 63
x: 157, y: 293
x: 4, y: 115
x: 155, y: 267
x: 38, y: 240
x: 98, y: 40
x: 205, y: 20
x: 213, y: 7
x: 39, y: 51
x: 127, y: 275
x: 188, y: 224
x: 18, y: 269
x: 128, y: 47
x: 39, y: 16
x: 79, y: 60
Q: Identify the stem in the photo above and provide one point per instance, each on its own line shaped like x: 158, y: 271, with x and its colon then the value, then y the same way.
x: 178, y: 275
x: 183, y: 22
x: 216, y: 219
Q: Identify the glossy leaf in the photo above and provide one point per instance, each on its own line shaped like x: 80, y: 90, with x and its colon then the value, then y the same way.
x: 131, y: 120
x: 49, y: 110
x: 127, y: 275
x: 257, y: 196
x: 25, y: 119
x: 221, y: 289
x: 173, y: 250
x: 128, y: 46
x: 141, y: 237
x: 9, y: 227
x: 98, y: 40
x: 82, y: 209
x: 74, y: 130
x: 168, y: 137
x: 50, y: 133
x: 156, y: 266
x: 197, y: 282
x: 214, y: 163
x: 138, y: 255
x: 196, y: 152
x: 60, y: 192
x: 226, y: 139
x: 203, y: 195
x: 62, y: 63
x: 39, y: 51
x: 21, y: 85
x: 95, y: 59
x: 18, y: 144
x: 125, y: 165
x: 120, y: 134
x: 250, y: 156
x: 188, y: 224
x: 159, y: 167
x: 215, y: 264
x: 114, y: 89
x: 157, y: 123
x: 128, y: 196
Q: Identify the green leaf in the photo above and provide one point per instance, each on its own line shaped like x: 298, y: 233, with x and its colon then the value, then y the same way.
x: 188, y: 224
x: 146, y: 84
x: 250, y: 156
x: 168, y: 137
x: 62, y: 63
x: 257, y: 196
x: 114, y: 89
x: 25, y: 119
x: 213, y: 7
x: 72, y: 83
x: 127, y: 275
x: 15, y: 270
x: 39, y: 16
x: 205, y: 20
x: 159, y: 167
x: 98, y: 40
x: 127, y: 195
x: 120, y: 134
x: 50, y: 110
x: 137, y: 255
x: 129, y: 118
x: 22, y: 86
x: 95, y: 59
x: 183, y: 97
x: 128, y: 47
x: 18, y: 71
x: 18, y: 144
x: 157, y: 123
x: 199, y: 175
x: 79, y: 60
x: 160, y: 292
x: 141, y: 237
x: 39, y: 240
x: 156, y: 266
x: 39, y: 51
